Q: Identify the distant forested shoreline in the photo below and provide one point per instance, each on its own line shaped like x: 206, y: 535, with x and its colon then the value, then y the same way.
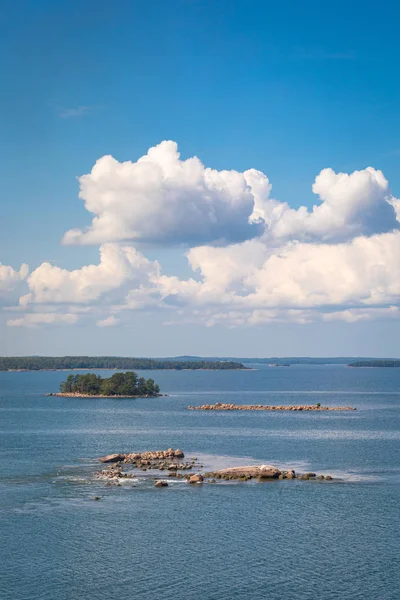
x: 375, y: 363
x: 66, y: 363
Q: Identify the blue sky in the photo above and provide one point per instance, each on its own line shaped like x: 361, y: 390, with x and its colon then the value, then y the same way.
x: 288, y: 89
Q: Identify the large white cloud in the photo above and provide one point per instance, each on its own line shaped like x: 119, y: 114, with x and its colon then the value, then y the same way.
x: 365, y: 271
x: 9, y: 278
x: 340, y: 260
x: 248, y: 283
x: 162, y: 199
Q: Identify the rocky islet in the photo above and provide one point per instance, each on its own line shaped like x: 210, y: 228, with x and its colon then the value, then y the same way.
x: 173, y: 462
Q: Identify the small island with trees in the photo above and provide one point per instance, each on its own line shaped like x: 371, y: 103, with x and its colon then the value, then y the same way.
x: 119, y: 385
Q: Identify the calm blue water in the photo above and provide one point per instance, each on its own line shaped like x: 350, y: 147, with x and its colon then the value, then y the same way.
x: 281, y: 540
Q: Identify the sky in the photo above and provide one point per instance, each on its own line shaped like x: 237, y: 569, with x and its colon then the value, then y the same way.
x: 200, y: 177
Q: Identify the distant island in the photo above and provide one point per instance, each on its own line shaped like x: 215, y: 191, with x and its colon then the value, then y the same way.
x: 276, y: 361
x: 375, y: 363
x: 119, y: 385
x: 68, y: 363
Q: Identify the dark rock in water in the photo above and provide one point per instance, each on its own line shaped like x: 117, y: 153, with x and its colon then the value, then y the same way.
x: 161, y: 484
x: 110, y: 458
x: 310, y: 475
x: 328, y: 477
x: 196, y: 478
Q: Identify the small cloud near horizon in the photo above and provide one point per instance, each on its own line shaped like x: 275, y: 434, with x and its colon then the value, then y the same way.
x: 108, y: 322
x: 327, y: 56
x: 79, y: 111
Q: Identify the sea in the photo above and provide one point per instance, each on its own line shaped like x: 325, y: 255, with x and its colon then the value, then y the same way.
x: 275, y: 540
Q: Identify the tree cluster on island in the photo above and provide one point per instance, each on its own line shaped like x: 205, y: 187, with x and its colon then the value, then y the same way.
x: 54, y: 363
x: 119, y: 384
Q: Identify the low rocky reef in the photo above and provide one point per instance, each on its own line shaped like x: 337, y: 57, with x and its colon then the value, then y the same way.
x: 154, y: 459
x: 299, y: 407
x: 262, y: 472
x: 173, y: 462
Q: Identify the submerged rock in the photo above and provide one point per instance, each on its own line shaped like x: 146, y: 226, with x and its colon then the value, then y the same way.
x: 196, y: 478
x: 160, y: 484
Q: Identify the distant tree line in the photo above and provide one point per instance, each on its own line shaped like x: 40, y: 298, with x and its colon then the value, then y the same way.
x: 37, y: 363
x: 119, y: 384
x: 375, y: 363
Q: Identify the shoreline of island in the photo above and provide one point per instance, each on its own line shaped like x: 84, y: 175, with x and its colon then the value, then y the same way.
x: 82, y: 395
x: 120, y: 369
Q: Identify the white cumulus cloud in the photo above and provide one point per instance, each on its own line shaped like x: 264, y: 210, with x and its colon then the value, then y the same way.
x: 118, y: 266
x: 163, y: 199
x: 254, y: 260
x: 242, y: 284
x: 351, y: 205
x: 364, y: 271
